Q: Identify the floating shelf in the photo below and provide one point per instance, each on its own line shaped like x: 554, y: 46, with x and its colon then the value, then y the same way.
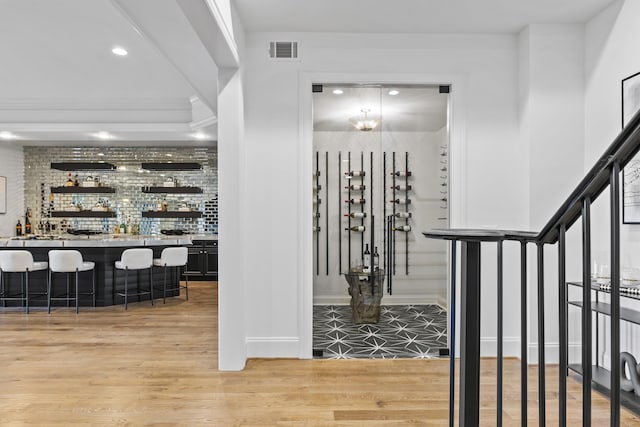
x: 601, y: 378
x: 627, y: 314
x: 171, y: 214
x: 172, y: 190
x: 171, y: 166
x: 83, y: 214
x: 84, y: 166
x: 85, y: 190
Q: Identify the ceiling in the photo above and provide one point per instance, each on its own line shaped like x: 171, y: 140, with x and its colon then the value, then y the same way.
x: 412, y: 16
x: 60, y: 81
x: 412, y: 109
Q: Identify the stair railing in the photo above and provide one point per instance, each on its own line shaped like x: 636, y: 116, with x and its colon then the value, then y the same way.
x: 605, y: 173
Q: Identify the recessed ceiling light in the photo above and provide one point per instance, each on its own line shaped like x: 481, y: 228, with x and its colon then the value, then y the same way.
x: 103, y: 135
x: 120, y: 51
x: 7, y: 135
x: 338, y: 91
x: 199, y: 135
x: 393, y: 92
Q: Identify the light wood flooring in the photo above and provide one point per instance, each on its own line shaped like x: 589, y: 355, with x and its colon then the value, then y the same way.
x: 158, y: 366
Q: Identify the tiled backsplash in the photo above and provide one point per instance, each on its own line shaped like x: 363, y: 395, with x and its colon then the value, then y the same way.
x: 128, y: 202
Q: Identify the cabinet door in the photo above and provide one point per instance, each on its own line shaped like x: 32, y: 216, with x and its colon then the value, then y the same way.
x: 194, y: 261
x: 211, y: 260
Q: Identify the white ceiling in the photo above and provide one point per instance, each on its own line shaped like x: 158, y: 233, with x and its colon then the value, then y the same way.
x: 412, y: 16
x: 61, y: 82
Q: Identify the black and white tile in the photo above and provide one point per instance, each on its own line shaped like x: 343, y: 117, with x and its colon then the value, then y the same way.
x: 404, y: 331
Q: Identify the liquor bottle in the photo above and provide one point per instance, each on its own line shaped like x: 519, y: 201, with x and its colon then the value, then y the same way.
x: 403, y: 214
x: 401, y: 187
x: 355, y: 201
x: 18, y: 229
x: 357, y: 228
x: 123, y: 228
x: 47, y: 227
x: 356, y: 214
x: 356, y: 187
x: 69, y: 182
x: 376, y: 259
x: 27, y: 224
x: 366, y: 260
x: 354, y: 173
x: 404, y: 228
x: 401, y: 201
x: 401, y: 173
x: 76, y: 182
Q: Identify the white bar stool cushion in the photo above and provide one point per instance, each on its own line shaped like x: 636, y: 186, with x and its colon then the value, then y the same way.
x: 172, y: 257
x: 68, y: 261
x: 135, y: 259
x: 19, y: 261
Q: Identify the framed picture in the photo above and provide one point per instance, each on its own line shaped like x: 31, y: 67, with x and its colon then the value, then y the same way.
x: 631, y: 174
x: 3, y: 195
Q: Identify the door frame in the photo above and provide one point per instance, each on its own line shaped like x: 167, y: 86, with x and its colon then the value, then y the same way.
x: 457, y: 176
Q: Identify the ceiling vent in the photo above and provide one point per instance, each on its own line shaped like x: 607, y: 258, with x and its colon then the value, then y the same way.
x: 283, y: 50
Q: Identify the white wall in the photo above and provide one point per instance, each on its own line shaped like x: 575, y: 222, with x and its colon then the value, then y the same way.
x: 490, y: 188
x: 12, y: 167
x: 552, y: 120
x: 612, y: 40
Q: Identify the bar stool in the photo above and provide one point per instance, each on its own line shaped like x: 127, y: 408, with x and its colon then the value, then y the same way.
x: 19, y: 261
x: 135, y: 259
x: 173, y: 257
x: 69, y: 261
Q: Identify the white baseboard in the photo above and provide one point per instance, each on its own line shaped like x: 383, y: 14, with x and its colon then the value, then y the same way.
x: 511, y: 348
x: 273, y: 347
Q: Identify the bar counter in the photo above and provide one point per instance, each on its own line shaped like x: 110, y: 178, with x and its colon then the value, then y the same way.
x: 104, y: 252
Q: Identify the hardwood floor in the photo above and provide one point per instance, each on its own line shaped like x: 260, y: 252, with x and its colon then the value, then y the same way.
x: 158, y: 366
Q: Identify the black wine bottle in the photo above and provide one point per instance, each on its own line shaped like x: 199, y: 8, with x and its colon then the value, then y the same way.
x: 355, y: 201
x: 401, y: 173
x: 401, y: 201
x: 18, y: 229
x: 401, y: 187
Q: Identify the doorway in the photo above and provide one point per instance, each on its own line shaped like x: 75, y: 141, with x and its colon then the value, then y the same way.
x: 381, y: 177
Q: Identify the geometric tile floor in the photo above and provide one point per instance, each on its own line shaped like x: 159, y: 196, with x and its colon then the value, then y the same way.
x: 404, y: 331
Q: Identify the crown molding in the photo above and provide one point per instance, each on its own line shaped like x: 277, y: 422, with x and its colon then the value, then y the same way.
x: 94, y: 127
x: 106, y: 104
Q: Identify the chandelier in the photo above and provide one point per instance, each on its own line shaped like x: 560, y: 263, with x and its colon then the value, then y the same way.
x: 365, y: 123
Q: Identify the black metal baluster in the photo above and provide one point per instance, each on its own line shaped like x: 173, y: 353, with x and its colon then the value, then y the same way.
x: 470, y: 336
x: 406, y: 209
x: 564, y: 341
x: 326, y: 207
x: 452, y: 336
x: 523, y: 332
x: 615, y: 294
x: 362, y: 180
x: 349, y: 233
x: 384, y: 207
x: 340, y: 212
x: 500, y: 334
x: 317, y: 214
x: 586, y: 312
x: 541, y: 340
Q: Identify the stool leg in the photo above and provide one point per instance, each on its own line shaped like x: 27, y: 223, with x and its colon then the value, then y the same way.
x: 151, y: 283
x: 26, y: 274
x: 126, y: 275
x: 49, y: 293
x: 77, y: 295
x: 164, y: 286
x: 186, y: 285
x: 93, y: 286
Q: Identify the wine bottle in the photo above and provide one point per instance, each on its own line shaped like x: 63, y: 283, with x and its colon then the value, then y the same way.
x: 317, y: 187
x: 316, y: 229
x: 356, y: 214
x: 376, y: 259
x: 401, y: 201
x: 76, y: 182
x: 69, y: 182
x: 356, y: 187
x: 317, y: 200
x: 403, y: 214
x: 357, y: 228
x: 18, y: 229
x: 354, y: 173
x: 27, y: 225
x: 355, y: 201
x: 401, y: 187
x: 366, y: 260
x: 316, y: 215
x: 401, y: 173
x: 404, y: 228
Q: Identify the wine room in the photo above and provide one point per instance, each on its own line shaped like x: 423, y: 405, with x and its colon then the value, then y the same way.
x: 381, y: 178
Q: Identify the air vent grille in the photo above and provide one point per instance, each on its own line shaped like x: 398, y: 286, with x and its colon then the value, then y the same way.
x: 283, y: 50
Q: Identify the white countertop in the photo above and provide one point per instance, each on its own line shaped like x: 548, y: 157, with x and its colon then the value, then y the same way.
x: 104, y: 240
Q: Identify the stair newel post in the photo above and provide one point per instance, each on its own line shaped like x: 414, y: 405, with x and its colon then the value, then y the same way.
x: 586, y: 313
x: 523, y: 333
x: 500, y: 334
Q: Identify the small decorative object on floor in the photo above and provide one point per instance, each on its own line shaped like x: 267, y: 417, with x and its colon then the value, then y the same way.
x: 633, y: 382
x: 366, y: 293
